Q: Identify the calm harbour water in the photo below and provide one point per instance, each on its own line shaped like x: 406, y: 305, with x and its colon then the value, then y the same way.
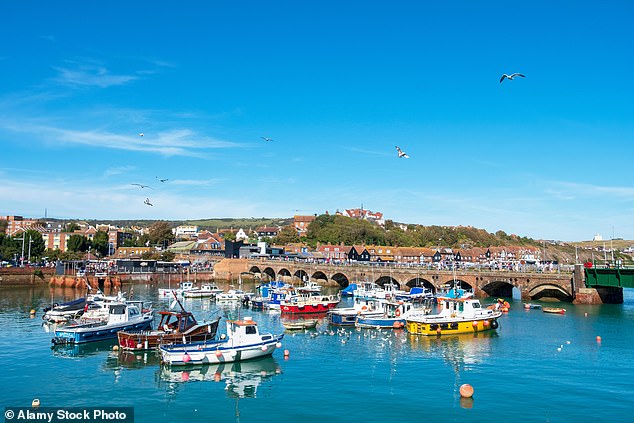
x: 517, y: 371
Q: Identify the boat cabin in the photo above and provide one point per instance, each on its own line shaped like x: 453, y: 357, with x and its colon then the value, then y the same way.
x: 465, y: 308
x: 245, y: 331
x: 172, y: 321
x: 124, y: 312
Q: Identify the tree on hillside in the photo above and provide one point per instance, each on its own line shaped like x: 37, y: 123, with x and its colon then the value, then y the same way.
x: 160, y: 233
x: 286, y: 235
x: 77, y: 243
x: 100, y: 243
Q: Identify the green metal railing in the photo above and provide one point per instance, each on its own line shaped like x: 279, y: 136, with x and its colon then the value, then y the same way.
x: 609, y: 276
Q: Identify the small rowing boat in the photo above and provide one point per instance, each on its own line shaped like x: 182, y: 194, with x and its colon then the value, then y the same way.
x: 300, y: 324
x: 554, y: 310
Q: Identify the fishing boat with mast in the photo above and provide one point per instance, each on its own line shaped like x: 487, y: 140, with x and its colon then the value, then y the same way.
x: 174, y: 327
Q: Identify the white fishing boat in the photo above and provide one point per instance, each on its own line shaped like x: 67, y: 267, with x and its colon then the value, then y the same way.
x: 242, y: 341
x: 205, y: 291
x: 182, y: 287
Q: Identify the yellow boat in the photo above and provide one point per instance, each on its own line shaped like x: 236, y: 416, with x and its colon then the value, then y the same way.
x: 457, y: 315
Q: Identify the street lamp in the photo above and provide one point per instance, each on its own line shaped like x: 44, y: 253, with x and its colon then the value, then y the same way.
x: 22, y: 256
x: 30, y: 242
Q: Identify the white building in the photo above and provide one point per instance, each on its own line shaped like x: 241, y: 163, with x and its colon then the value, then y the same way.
x: 186, y: 231
x: 597, y: 237
x: 241, y: 235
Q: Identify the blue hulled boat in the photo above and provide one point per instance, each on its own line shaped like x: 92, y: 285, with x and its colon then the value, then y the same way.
x: 128, y: 316
x: 347, y: 316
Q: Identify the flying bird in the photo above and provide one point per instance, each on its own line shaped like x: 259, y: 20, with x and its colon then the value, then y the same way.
x: 162, y: 180
x: 141, y: 134
x: 147, y: 202
x: 267, y: 139
x: 511, y: 76
x: 401, y: 154
x: 142, y: 186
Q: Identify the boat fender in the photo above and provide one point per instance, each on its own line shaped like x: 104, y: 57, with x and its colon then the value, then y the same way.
x: 494, y: 324
x: 364, y: 308
x: 398, y: 312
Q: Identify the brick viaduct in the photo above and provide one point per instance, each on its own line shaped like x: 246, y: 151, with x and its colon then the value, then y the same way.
x: 532, y: 285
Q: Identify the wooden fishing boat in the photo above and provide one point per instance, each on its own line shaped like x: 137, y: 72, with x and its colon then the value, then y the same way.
x: 554, y: 310
x: 457, y: 315
x: 300, y: 324
x: 174, y: 327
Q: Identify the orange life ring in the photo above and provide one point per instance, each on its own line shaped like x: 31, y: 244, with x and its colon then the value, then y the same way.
x: 398, y: 312
x: 364, y: 308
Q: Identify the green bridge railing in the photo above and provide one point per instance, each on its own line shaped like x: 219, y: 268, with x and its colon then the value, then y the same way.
x: 609, y: 276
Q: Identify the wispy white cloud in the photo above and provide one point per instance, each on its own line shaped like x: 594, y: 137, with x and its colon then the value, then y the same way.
x: 178, y: 142
x: 572, y: 190
x: 195, y: 182
x: 89, y: 75
x: 120, y: 170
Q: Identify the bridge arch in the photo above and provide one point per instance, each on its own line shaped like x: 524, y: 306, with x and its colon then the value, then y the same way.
x: 549, y: 291
x: 285, y: 275
x: 387, y: 279
x: 461, y: 283
x: 300, y: 274
x: 270, y: 273
x: 418, y: 281
x: 341, y: 279
x: 319, y: 277
x: 498, y: 289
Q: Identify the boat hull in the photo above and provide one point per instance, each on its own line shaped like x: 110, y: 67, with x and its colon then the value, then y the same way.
x: 379, y: 322
x: 450, y: 326
x: 307, y: 308
x: 148, y: 340
x: 217, y: 352
x: 98, y: 332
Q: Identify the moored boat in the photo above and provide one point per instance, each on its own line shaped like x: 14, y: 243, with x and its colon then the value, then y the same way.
x: 300, y: 324
x: 243, y: 341
x: 205, y: 291
x: 458, y: 315
x: 121, y: 316
x: 300, y: 304
x: 393, y: 316
x: 529, y: 306
x: 347, y: 316
x: 554, y: 310
x: 174, y: 327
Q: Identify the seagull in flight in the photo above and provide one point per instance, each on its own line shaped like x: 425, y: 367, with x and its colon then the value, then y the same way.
x: 162, y: 180
x: 141, y: 134
x: 147, y: 202
x: 267, y: 139
x: 142, y: 186
x: 401, y: 154
x: 511, y: 76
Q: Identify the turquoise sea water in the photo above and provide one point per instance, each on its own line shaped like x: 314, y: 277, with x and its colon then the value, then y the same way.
x: 335, y: 375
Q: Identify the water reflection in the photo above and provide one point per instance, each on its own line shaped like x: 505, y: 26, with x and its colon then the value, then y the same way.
x: 82, y: 350
x: 241, y: 378
x: 461, y: 352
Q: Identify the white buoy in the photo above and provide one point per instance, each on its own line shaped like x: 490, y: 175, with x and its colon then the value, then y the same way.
x: 35, y: 403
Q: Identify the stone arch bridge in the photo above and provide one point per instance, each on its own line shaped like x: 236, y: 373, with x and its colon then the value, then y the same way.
x: 532, y: 285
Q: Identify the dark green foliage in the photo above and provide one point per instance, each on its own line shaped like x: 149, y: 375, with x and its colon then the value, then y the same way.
x: 100, y: 243
x: 77, y: 243
x: 328, y: 229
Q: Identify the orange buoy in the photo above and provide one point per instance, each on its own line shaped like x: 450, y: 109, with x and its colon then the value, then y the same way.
x: 439, y: 331
x: 287, y: 353
x: 466, y: 390
x: 598, y: 338
x: 217, y: 377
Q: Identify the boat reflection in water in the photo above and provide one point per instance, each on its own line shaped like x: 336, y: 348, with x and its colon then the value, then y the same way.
x: 241, y: 378
x: 82, y: 350
x: 461, y: 352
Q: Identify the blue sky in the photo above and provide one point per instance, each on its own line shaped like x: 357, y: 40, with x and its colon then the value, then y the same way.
x: 336, y: 85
